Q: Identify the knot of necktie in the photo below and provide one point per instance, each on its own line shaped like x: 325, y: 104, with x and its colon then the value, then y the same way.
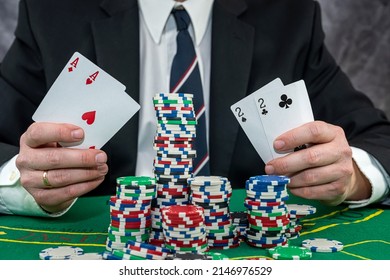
x: 182, y: 19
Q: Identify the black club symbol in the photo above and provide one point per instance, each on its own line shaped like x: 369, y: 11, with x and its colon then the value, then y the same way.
x: 264, y: 112
x: 285, y: 101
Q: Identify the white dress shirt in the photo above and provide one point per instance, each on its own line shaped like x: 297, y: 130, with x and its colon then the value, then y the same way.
x: 157, y: 49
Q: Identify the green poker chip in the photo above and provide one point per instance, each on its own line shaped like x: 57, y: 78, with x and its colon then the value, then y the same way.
x: 216, y: 256
x: 178, y: 122
x: 290, y: 253
x: 172, y: 101
x: 136, y: 181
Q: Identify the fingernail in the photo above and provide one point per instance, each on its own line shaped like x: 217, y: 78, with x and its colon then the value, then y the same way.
x: 101, y: 158
x: 102, y: 169
x: 279, y: 144
x: 269, y: 169
x: 77, y: 134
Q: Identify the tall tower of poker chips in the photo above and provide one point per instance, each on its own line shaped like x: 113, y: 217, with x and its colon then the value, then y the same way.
x: 130, y: 211
x: 267, y: 212
x: 173, y: 164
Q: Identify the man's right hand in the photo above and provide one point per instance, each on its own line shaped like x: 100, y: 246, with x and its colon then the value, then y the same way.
x: 70, y: 172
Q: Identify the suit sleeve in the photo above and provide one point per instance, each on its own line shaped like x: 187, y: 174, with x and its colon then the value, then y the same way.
x: 335, y: 101
x: 22, y: 85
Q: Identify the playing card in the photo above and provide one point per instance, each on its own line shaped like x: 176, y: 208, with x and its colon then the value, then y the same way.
x: 282, y: 109
x: 246, y: 114
x: 87, y: 96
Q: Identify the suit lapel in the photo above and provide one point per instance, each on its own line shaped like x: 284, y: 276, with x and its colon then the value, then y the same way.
x: 231, y: 58
x: 116, y: 41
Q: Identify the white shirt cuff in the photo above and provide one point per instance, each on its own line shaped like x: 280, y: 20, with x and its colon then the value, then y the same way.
x: 376, y: 175
x: 14, y: 199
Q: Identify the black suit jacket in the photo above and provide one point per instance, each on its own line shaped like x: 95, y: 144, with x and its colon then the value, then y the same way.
x: 253, y: 42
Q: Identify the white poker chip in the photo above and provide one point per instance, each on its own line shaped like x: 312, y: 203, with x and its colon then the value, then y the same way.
x: 87, y: 256
x: 323, y: 245
x: 60, y: 253
x: 207, y: 180
x: 301, y: 209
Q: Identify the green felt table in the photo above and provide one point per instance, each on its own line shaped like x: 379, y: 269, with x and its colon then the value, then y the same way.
x: 364, y: 232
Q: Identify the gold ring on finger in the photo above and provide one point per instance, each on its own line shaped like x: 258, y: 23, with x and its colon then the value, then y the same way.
x: 45, y: 179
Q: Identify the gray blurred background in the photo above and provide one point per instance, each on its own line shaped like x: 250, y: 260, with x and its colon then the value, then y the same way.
x: 357, y: 34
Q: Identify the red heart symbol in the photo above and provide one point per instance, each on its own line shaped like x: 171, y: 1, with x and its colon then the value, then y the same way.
x: 89, y: 81
x: 89, y: 117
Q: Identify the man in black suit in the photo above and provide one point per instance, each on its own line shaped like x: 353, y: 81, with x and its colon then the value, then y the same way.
x: 244, y: 45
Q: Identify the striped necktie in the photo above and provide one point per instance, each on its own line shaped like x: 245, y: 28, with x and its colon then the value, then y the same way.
x: 185, y: 78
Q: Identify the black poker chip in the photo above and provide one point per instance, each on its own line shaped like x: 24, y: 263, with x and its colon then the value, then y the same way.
x: 239, y: 218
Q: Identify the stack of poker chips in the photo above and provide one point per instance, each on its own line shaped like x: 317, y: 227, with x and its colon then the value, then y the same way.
x: 130, y: 211
x: 145, y: 251
x: 213, y: 193
x: 267, y: 212
x: 240, y: 222
x: 296, y: 212
x: 184, y: 228
x: 173, y: 143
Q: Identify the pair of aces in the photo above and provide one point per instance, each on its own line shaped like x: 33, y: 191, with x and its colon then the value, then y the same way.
x: 87, y: 96
x: 271, y: 111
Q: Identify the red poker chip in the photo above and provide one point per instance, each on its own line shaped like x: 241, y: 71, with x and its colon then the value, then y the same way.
x: 172, y: 142
x: 260, y: 203
x: 135, y: 212
x: 217, y: 214
x: 170, y: 163
x: 217, y: 196
x: 181, y: 244
x: 121, y: 201
x: 184, y: 225
x: 224, y: 241
x: 256, y: 220
x: 148, y: 251
x: 128, y: 225
x: 274, y: 224
x: 193, y: 218
x: 182, y: 211
x: 156, y: 242
x: 173, y: 145
x: 166, y: 138
x: 295, y: 229
x: 173, y: 108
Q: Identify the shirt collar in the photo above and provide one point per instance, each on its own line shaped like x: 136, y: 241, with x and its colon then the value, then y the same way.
x: 156, y: 14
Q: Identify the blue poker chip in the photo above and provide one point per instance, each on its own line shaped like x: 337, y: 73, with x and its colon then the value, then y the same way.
x: 109, y: 256
x: 174, y: 94
x: 176, y: 134
x: 148, y: 246
x: 184, y: 169
x: 173, y: 98
x: 177, y: 127
x: 270, y: 180
x: 259, y: 188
